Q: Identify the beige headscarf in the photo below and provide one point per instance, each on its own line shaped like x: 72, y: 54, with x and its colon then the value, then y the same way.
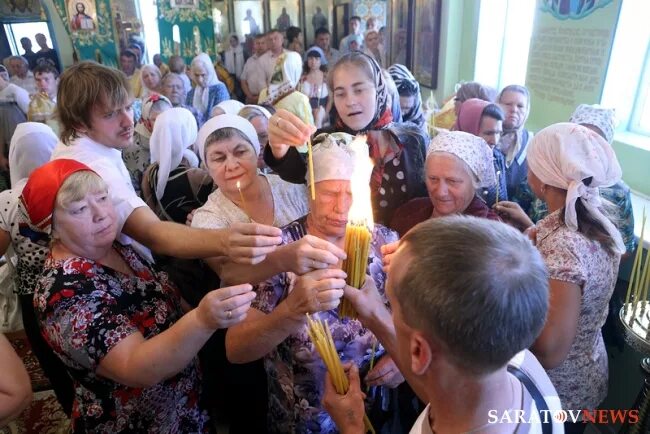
x: 567, y: 155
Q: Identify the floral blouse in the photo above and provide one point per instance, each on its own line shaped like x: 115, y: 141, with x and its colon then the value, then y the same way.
x: 84, y: 310
x: 573, y: 258
x: 295, y: 370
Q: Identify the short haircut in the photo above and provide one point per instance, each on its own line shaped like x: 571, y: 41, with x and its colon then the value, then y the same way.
x: 292, y: 33
x: 321, y: 31
x: 45, y: 68
x: 516, y: 88
x: 355, y: 18
x: 77, y: 186
x: 21, y: 58
x: 479, y: 286
x: 170, y: 76
x: 81, y: 87
x: 25, y: 38
x: 129, y: 53
x: 259, y: 36
x: 275, y: 31
x: 176, y: 64
x: 493, y: 111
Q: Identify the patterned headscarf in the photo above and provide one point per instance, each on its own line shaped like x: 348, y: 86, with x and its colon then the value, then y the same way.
x: 172, y: 136
x: 285, y: 78
x: 601, y: 117
x: 473, y: 150
x: 578, y: 160
x: 144, y: 124
x: 38, y: 198
x: 333, y: 157
x: 407, y: 85
x: 383, y: 116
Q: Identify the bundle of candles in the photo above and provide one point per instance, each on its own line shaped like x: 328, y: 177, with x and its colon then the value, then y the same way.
x: 358, y: 232
x: 636, y: 310
x: 320, y: 335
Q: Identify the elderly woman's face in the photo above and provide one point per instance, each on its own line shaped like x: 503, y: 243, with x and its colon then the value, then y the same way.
x: 150, y: 78
x: 328, y: 213
x: 515, y: 107
x: 449, y: 184
x: 230, y: 161
x: 174, y: 90
x: 88, y: 226
x: 200, y: 75
x: 355, y: 96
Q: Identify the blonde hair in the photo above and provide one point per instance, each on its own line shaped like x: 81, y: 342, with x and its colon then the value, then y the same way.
x: 81, y: 87
x: 77, y: 186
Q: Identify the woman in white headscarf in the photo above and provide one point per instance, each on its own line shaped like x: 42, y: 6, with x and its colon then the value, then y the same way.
x: 227, y: 107
x: 136, y: 157
x: 208, y: 91
x: 458, y: 164
x: 173, y: 185
x: 150, y: 77
x: 31, y: 147
x: 282, y: 92
x: 581, y: 247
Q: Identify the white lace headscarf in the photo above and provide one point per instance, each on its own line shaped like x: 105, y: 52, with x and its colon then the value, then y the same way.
x: 578, y: 160
x: 472, y: 150
x: 173, y: 134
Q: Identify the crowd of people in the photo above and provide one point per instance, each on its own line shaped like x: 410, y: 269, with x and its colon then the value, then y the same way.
x: 168, y: 248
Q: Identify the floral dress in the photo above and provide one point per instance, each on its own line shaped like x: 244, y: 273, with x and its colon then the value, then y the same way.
x: 573, y: 258
x: 85, y: 309
x: 295, y: 371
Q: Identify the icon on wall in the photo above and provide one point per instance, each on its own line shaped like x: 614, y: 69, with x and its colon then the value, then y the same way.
x: 82, y: 15
x: 184, y: 3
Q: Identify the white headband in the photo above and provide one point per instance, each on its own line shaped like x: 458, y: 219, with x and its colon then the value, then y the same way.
x: 227, y: 121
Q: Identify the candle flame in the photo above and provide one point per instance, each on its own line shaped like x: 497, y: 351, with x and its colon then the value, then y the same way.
x: 361, y: 209
x: 238, y: 185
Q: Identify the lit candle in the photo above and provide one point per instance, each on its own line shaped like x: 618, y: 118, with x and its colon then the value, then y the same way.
x: 310, y: 159
x: 498, y: 186
x: 243, y: 202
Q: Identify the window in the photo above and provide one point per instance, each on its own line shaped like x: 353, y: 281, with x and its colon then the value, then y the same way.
x: 627, y: 84
x: 640, y: 120
x: 503, y: 40
x: 17, y: 31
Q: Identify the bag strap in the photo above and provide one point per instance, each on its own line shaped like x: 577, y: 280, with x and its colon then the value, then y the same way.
x: 540, y: 402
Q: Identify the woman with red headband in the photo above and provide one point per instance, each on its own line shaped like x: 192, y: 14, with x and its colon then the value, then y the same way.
x: 114, y: 321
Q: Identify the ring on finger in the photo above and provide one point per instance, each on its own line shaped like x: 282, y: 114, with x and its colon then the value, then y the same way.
x: 229, y: 314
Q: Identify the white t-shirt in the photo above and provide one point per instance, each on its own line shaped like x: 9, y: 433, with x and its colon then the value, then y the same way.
x: 108, y: 164
x: 289, y: 204
x: 254, y: 74
x: 14, y: 93
x: 528, y: 363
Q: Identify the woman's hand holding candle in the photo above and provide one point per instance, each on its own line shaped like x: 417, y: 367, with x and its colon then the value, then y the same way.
x: 316, y: 291
x: 285, y: 130
x: 310, y: 253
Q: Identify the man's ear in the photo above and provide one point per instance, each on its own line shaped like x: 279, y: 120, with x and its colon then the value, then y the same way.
x: 421, y: 353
